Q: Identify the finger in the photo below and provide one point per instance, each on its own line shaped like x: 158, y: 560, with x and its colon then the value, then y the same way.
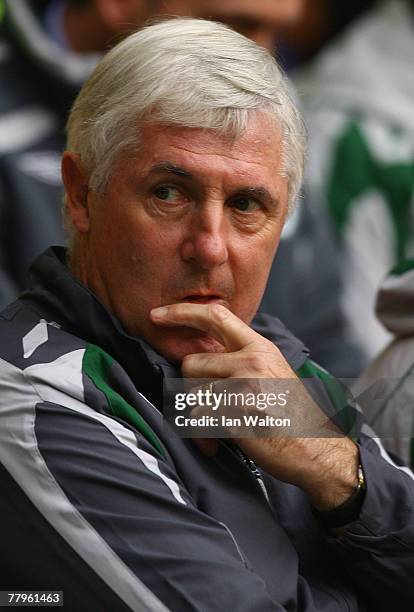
x: 213, y: 319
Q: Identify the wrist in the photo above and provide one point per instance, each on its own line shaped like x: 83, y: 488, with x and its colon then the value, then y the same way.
x: 348, y: 511
x: 333, y: 475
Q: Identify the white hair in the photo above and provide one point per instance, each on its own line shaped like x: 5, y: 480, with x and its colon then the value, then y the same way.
x: 185, y: 72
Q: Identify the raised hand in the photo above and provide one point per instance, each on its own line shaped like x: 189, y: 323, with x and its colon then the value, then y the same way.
x: 326, y: 468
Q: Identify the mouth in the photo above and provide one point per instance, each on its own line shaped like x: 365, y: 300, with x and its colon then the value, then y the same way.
x: 202, y: 299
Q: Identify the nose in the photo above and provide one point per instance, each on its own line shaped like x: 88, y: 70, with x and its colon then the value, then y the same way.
x: 205, y: 242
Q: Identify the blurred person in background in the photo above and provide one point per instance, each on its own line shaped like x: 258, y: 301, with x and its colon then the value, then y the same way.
x: 391, y: 374
x: 319, y: 23
x: 49, y: 48
x: 359, y: 102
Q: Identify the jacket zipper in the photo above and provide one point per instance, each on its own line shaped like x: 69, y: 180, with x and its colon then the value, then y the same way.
x: 250, y: 464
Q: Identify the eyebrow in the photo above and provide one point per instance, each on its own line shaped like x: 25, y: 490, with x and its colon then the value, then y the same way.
x: 166, y: 166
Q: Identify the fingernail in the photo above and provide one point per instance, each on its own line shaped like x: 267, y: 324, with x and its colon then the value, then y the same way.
x: 159, y: 313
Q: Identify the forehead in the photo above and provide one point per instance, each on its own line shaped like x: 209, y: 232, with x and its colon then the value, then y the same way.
x: 205, y: 153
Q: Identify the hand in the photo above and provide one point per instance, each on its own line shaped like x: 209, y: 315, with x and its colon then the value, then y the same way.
x: 326, y: 468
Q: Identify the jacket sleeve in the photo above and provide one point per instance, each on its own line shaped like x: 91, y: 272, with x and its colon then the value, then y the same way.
x: 377, y: 550
x: 110, y: 521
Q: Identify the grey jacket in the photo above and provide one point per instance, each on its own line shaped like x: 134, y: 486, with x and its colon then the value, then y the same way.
x: 102, y: 500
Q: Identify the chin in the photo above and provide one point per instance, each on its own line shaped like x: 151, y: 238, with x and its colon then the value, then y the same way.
x: 176, y: 347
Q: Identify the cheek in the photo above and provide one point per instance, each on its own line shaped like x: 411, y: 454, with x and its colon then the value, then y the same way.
x: 251, y: 275
x: 254, y: 257
x: 145, y: 260
x: 118, y: 247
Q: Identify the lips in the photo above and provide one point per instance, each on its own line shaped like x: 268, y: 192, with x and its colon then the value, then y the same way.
x: 202, y: 299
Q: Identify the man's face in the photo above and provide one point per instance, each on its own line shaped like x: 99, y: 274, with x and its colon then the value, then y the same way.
x: 193, y: 217
x: 259, y: 20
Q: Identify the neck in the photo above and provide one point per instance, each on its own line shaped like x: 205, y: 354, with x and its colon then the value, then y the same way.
x: 82, y: 266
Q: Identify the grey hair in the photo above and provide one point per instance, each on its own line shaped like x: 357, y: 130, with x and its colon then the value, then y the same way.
x: 186, y: 72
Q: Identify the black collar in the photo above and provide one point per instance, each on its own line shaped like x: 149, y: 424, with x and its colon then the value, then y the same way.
x: 57, y: 296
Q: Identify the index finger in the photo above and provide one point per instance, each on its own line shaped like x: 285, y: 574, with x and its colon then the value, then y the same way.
x: 213, y: 319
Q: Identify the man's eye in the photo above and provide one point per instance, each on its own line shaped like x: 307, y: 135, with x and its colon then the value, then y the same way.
x: 167, y: 194
x: 245, y: 204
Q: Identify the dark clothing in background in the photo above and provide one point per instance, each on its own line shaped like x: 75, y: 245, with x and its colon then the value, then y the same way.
x: 38, y: 83
x: 303, y: 290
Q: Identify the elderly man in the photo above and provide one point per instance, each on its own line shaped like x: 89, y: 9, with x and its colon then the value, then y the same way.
x: 49, y: 49
x: 184, y: 155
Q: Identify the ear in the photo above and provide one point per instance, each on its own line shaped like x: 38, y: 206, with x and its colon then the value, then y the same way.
x: 75, y: 180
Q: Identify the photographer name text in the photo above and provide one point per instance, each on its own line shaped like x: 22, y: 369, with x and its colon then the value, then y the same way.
x: 226, y: 421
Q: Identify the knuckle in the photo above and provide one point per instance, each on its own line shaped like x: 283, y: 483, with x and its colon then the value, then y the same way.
x: 270, y: 347
x: 218, y: 312
x: 188, y: 364
x: 255, y: 361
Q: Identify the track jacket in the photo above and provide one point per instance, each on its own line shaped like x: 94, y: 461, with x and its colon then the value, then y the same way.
x: 102, y: 500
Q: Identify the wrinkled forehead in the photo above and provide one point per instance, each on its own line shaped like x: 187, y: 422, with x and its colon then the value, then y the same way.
x: 206, y: 160
x: 258, y: 146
